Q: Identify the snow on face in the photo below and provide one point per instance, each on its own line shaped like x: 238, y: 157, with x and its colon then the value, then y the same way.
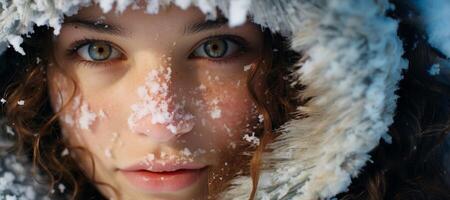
x: 215, y: 112
x: 87, y: 117
x: 78, y: 113
x: 120, y: 106
x: 158, y: 105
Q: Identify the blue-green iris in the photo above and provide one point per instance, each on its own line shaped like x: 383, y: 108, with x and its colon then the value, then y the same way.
x: 99, y: 51
x: 216, y: 48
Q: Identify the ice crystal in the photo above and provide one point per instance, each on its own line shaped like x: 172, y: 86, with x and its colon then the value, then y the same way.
x: 434, y: 70
x: 65, y: 152
x: 87, y: 117
x: 251, y: 138
x: 21, y: 102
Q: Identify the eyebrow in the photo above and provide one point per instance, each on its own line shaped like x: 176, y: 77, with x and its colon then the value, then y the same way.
x: 205, y: 25
x: 113, y: 29
x: 97, y: 26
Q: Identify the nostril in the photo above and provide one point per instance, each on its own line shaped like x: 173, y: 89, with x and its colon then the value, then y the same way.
x: 183, y: 125
x: 156, y: 132
x: 162, y: 131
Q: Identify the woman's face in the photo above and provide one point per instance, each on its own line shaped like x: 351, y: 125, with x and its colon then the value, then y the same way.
x: 160, y: 101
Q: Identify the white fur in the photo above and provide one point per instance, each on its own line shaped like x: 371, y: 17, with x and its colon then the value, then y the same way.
x: 435, y: 15
x: 353, y: 64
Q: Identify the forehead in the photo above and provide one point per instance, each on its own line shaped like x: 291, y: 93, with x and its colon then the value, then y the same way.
x: 171, y: 18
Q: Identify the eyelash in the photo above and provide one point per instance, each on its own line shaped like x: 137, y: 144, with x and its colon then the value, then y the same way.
x: 72, y: 52
x: 240, y: 42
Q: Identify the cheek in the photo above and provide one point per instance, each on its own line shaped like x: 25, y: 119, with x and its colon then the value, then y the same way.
x: 78, y: 119
x: 235, y: 108
x: 223, y: 109
x: 227, y: 115
x: 59, y: 88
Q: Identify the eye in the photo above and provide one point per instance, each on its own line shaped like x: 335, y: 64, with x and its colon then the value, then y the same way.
x: 98, y: 51
x: 216, y: 48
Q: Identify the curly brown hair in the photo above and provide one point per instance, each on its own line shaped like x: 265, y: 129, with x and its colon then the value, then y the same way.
x: 37, y: 131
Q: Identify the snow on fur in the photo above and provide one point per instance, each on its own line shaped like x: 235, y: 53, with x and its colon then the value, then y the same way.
x: 348, y: 44
x: 435, y: 14
x: 353, y: 67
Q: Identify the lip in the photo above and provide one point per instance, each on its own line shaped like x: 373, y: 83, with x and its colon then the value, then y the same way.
x: 159, y: 177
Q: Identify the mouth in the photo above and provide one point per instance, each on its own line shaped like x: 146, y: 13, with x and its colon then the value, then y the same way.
x: 163, y: 178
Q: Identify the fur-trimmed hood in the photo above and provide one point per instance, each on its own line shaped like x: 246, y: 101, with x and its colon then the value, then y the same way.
x: 352, y: 63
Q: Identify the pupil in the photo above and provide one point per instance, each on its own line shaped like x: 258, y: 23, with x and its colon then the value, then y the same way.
x: 99, y: 52
x: 216, y: 48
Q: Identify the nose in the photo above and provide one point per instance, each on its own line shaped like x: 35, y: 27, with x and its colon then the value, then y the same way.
x: 158, y: 114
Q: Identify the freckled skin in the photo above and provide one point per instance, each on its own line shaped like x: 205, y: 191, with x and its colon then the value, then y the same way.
x: 109, y: 91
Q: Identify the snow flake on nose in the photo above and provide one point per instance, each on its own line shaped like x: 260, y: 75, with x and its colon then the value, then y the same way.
x: 215, y: 112
x: 158, y: 103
